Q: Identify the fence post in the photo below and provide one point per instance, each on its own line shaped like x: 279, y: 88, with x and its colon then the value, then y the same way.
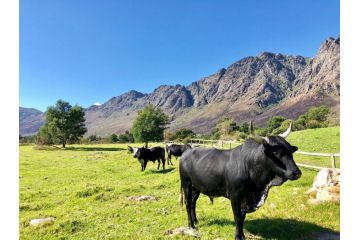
x: 230, y: 145
x: 333, y: 161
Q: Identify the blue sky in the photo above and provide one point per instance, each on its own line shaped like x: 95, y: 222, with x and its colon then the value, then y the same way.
x: 89, y: 51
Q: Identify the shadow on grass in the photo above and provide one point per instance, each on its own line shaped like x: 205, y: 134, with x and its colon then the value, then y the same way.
x: 53, y: 148
x: 282, y: 229
x: 161, y: 171
x: 94, y: 149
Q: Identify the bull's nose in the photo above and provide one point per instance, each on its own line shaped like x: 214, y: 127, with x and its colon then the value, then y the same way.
x: 296, y: 175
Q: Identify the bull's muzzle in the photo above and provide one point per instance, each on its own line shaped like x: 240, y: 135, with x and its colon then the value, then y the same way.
x: 295, y: 175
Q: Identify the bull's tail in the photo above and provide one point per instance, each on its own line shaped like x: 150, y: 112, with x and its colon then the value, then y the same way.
x: 181, y: 197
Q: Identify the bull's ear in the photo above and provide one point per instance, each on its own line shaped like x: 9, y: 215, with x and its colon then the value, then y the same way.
x: 294, y: 149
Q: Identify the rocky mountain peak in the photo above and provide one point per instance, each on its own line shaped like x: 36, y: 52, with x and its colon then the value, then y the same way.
x: 253, y: 88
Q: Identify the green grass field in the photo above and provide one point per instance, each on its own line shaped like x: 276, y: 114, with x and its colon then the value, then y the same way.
x: 86, y: 189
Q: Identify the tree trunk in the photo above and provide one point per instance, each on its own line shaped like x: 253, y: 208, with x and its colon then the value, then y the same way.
x: 146, y: 144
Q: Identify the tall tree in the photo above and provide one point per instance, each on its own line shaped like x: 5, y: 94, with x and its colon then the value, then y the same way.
x: 149, y: 125
x: 64, y: 122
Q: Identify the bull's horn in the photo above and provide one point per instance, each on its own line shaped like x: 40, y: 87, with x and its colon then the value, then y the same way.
x: 255, y: 136
x: 287, y: 132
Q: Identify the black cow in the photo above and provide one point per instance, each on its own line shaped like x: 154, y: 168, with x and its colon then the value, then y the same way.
x: 176, y: 150
x: 243, y: 174
x: 149, y: 154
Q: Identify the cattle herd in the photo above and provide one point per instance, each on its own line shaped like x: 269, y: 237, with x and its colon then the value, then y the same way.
x: 243, y: 174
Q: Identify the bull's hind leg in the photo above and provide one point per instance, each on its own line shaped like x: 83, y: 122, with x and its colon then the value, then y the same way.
x: 163, y: 159
x: 159, y: 163
x: 187, y: 189
x: 195, y: 196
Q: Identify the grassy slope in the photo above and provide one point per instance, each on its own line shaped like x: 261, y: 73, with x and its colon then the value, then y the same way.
x: 86, y: 188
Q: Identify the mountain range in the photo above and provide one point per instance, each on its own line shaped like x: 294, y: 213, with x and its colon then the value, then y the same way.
x: 253, y: 88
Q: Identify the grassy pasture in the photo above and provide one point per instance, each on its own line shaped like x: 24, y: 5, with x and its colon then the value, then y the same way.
x: 86, y: 189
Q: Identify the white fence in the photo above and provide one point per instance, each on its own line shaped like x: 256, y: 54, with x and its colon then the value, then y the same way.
x: 231, y: 144
x: 215, y: 143
x: 331, y: 155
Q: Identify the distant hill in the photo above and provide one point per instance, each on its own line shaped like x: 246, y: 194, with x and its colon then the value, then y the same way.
x: 30, y: 120
x: 254, y: 88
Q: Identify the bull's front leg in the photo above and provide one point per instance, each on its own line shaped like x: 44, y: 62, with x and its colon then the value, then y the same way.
x: 144, y: 165
x: 159, y: 163
x: 169, y: 160
x: 239, y: 217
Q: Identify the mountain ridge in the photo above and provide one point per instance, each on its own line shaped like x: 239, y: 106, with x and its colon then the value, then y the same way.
x: 252, y: 88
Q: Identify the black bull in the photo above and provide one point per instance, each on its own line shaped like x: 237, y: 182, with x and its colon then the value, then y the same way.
x: 149, y: 154
x: 243, y: 175
x: 176, y: 150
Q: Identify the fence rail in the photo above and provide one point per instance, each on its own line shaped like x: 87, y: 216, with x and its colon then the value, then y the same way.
x: 230, y: 144
x: 214, y: 143
x: 331, y: 155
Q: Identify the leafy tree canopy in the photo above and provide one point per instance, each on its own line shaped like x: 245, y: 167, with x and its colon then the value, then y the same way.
x: 149, y: 125
x: 63, y: 123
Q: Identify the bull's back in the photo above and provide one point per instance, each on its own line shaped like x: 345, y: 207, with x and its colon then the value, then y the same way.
x: 157, y: 152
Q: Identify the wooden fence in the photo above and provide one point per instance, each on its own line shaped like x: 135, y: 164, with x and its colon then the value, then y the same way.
x: 229, y: 144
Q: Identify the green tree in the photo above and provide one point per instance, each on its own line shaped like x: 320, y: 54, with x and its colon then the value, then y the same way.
x: 92, y: 138
x: 184, y: 133
x: 274, y: 123
x: 244, y: 127
x: 149, y: 125
x: 44, y: 136
x: 113, y: 138
x: 300, y: 123
x: 318, y: 113
x: 63, y: 123
x: 315, y: 117
x: 226, y: 126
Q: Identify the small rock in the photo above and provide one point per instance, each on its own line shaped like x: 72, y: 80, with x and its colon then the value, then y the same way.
x: 325, y: 196
x: 183, y: 231
x: 142, y: 198
x: 42, y: 221
x: 272, y: 205
x: 326, y: 186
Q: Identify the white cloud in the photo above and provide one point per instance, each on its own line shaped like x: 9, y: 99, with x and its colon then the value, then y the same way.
x: 97, y: 104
